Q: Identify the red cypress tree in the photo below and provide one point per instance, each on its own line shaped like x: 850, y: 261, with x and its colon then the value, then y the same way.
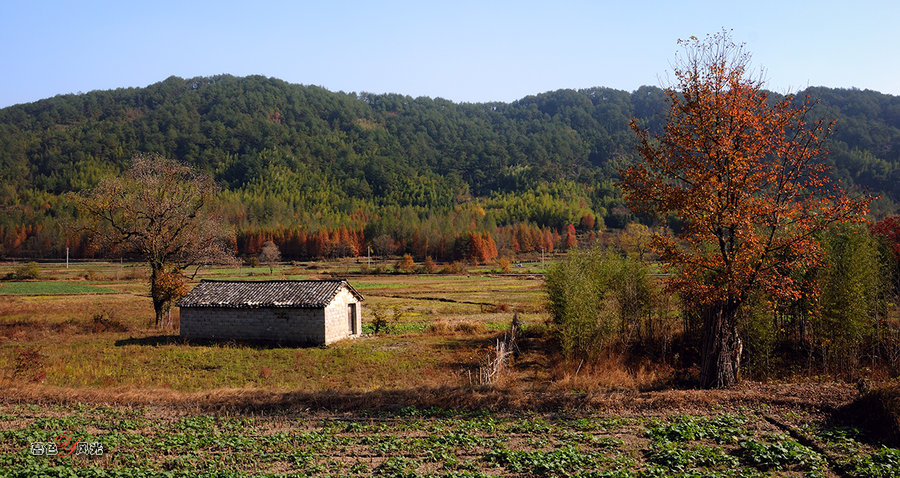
x: 587, y: 221
x: 571, y: 237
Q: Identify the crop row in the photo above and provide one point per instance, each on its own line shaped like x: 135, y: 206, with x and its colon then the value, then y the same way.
x: 428, y: 442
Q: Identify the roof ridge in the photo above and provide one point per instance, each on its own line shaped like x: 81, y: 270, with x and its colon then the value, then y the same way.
x: 272, y: 293
x: 273, y: 280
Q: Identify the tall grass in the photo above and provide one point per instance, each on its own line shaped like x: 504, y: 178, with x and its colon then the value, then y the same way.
x: 599, y: 298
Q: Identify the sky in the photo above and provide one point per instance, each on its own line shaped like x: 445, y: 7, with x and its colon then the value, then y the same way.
x: 463, y: 51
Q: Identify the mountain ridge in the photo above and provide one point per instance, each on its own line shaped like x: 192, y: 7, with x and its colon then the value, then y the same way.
x: 280, y: 150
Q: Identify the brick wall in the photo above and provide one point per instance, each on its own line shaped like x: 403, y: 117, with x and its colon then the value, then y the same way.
x: 337, y: 324
x: 287, y: 325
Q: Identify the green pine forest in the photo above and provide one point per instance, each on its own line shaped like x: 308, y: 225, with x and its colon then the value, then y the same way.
x: 327, y: 174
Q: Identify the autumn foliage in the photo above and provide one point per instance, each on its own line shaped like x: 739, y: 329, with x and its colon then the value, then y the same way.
x: 889, y: 228
x: 742, y: 171
x: 482, y: 249
x: 571, y: 237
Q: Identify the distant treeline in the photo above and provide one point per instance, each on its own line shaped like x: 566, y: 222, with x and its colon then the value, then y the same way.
x: 301, y: 158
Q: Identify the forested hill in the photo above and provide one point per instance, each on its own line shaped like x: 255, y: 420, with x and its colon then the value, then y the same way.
x: 238, y: 128
x: 300, y: 156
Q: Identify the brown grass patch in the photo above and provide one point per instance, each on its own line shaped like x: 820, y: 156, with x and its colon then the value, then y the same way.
x: 612, y: 371
x: 456, y: 327
x: 23, y: 330
x: 104, y: 322
x: 265, y: 372
x: 29, y: 365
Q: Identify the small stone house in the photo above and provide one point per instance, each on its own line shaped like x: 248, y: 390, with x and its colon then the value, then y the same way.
x: 311, y: 312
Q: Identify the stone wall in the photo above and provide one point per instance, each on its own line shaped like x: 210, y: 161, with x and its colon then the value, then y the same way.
x: 337, y: 324
x: 284, y: 325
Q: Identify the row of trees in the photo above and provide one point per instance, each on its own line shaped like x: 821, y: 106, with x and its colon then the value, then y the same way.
x: 445, y: 245
x: 388, y: 231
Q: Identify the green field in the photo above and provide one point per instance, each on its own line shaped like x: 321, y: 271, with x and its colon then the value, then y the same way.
x: 50, y: 288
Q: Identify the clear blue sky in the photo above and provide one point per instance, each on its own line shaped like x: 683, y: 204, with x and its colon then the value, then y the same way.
x: 459, y: 50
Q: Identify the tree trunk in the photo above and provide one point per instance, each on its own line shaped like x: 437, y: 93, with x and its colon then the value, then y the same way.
x: 157, y: 295
x: 721, y: 347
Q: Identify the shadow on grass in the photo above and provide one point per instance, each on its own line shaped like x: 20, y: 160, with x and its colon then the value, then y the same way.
x: 460, y: 400
x: 159, y: 340
x: 874, y: 415
x: 153, y: 340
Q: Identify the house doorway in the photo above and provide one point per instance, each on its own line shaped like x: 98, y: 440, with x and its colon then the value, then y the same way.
x: 351, y: 318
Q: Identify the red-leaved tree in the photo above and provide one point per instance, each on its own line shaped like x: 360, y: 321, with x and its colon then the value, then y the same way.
x: 889, y: 228
x: 742, y: 172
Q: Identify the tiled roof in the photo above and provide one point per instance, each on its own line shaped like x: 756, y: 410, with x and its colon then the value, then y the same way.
x: 270, y: 293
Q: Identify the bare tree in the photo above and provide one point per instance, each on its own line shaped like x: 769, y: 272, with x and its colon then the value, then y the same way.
x: 269, y: 254
x: 162, y: 211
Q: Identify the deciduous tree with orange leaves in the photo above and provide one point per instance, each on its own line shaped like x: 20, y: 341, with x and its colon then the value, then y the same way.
x: 743, y: 172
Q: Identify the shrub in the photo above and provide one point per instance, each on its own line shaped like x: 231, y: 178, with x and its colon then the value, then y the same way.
x: 576, y: 291
x: 406, y: 263
x: 104, y: 322
x: 595, y: 298
x: 503, y: 265
x: 456, y: 267
x: 853, y: 297
x: 26, y: 271
x: 379, y: 320
x: 877, y: 412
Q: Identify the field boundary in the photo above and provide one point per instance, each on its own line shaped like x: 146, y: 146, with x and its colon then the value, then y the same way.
x: 432, y: 299
x: 815, y: 397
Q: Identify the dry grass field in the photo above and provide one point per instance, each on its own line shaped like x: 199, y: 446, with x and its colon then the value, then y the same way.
x: 79, y: 361
x: 93, y: 331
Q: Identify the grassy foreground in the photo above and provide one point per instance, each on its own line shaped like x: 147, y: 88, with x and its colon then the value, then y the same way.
x: 682, y: 440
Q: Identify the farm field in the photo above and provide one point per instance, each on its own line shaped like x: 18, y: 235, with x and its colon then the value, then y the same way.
x: 674, y: 433
x: 79, y: 361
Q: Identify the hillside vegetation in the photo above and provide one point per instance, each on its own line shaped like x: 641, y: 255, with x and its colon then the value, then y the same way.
x: 330, y: 173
